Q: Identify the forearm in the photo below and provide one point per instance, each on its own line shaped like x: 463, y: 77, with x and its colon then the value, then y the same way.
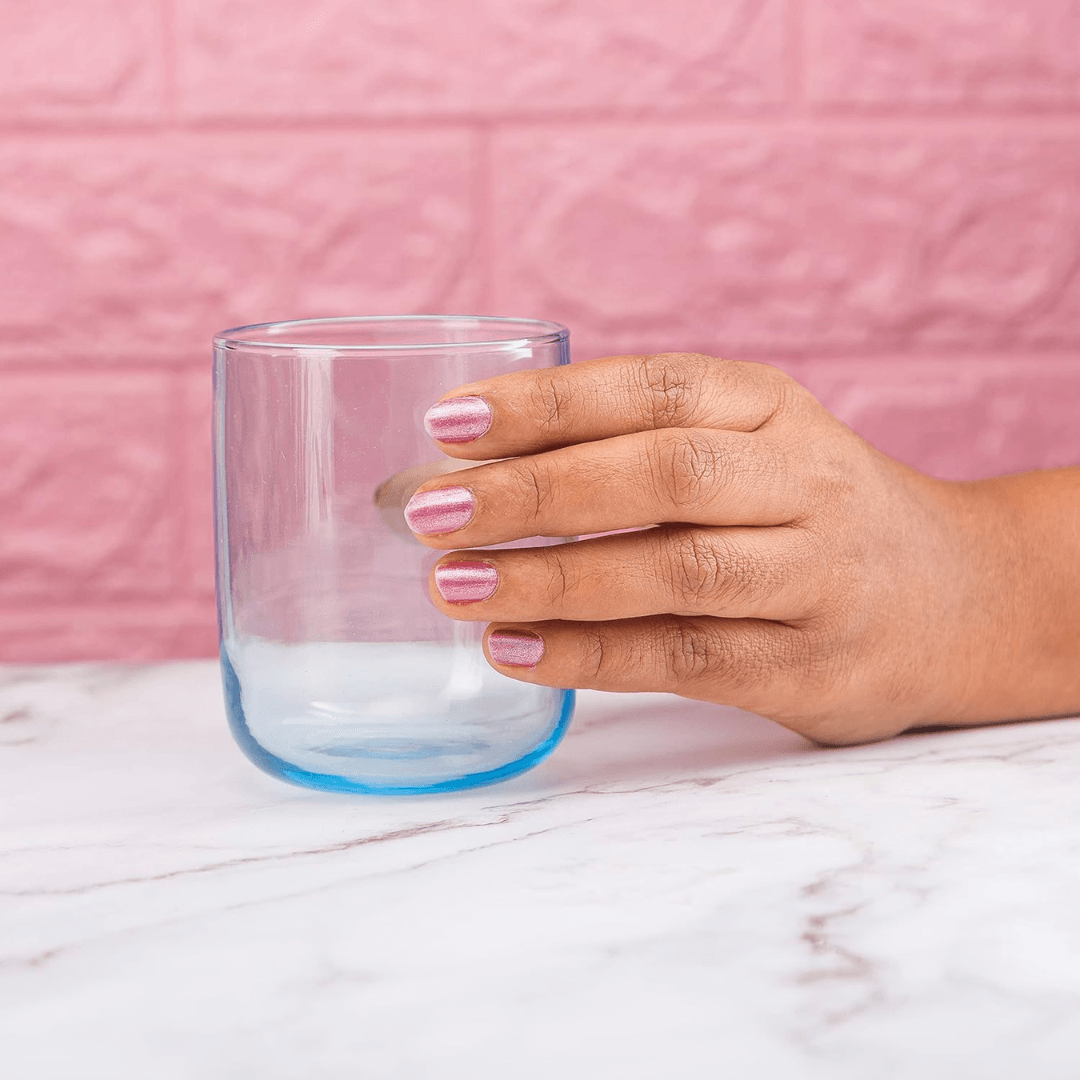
x: 1026, y: 532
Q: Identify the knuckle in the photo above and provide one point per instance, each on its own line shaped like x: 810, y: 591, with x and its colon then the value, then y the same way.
x: 799, y: 651
x: 692, y: 652
x: 558, y: 585
x: 610, y: 655
x: 596, y: 661
x: 704, y: 567
x: 533, y: 488
x: 552, y: 404
x: 671, y: 385
x: 695, y: 565
x: 739, y: 656
x: 781, y: 393
x: 755, y: 578
x: 690, y: 466
x: 810, y: 658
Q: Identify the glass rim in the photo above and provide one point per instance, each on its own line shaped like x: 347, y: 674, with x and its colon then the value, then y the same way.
x: 261, y: 335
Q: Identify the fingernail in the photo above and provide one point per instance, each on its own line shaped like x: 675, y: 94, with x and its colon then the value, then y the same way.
x: 515, y: 649
x: 442, y: 511
x: 466, y: 582
x: 458, y: 419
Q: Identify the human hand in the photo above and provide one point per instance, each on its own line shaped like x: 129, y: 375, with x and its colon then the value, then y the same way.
x: 793, y: 570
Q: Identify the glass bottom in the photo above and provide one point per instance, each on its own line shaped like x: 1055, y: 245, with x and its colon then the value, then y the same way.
x: 388, y: 718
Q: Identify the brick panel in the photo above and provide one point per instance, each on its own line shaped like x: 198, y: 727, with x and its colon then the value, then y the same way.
x: 489, y: 57
x: 73, y: 60
x: 87, y: 493
x: 958, y: 419
x: 160, y: 242
x: 879, y: 195
x: 685, y: 237
x: 939, y: 52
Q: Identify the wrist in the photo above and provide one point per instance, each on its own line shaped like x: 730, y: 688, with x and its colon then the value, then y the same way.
x: 1022, y: 619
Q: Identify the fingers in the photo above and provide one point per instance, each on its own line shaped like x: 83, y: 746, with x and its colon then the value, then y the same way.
x: 529, y: 411
x: 730, y: 661
x: 734, y: 573
x: 674, y: 475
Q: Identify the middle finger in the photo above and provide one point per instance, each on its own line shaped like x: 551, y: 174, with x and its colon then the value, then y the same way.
x: 736, y: 573
x: 703, y: 476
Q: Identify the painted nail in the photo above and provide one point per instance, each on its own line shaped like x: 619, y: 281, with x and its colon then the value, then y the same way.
x: 466, y: 582
x: 442, y: 511
x: 515, y: 649
x: 458, y: 419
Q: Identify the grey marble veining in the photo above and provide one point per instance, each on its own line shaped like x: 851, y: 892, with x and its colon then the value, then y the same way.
x: 681, y: 889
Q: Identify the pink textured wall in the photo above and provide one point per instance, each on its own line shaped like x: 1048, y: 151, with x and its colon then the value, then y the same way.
x: 881, y: 195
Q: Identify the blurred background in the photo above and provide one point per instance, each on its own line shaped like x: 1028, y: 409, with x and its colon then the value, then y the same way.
x: 881, y: 196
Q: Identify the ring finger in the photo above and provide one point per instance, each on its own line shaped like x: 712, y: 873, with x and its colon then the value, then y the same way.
x: 730, y: 572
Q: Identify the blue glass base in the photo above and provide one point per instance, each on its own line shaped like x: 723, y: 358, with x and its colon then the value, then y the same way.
x: 283, y: 770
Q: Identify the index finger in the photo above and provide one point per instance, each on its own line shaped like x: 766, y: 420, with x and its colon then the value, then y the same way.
x: 529, y: 411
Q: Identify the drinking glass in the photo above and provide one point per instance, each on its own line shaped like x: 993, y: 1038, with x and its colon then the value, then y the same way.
x: 339, y: 671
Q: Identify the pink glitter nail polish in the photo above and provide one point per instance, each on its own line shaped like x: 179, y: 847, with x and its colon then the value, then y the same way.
x: 515, y: 649
x: 466, y: 582
x: 458, y: 420
x: 442, y: 511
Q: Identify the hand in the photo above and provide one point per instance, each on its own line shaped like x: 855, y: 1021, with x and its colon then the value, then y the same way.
x: 790, y: 569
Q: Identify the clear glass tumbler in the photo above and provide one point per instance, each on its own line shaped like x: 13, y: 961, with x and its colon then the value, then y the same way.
x: 339, y: 671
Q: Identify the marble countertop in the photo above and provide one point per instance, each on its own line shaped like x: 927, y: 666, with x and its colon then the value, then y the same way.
x: 680, y: 889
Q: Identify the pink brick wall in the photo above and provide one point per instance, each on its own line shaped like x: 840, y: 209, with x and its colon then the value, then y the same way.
x: 881, y: 195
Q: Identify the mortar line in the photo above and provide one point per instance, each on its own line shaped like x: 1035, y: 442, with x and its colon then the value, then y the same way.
x: 1029, y: 119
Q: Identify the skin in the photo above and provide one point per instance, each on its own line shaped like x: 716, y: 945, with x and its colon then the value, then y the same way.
x: 793, y: 570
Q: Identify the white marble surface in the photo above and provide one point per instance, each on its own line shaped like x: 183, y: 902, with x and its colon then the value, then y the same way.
x: 680, y: 889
